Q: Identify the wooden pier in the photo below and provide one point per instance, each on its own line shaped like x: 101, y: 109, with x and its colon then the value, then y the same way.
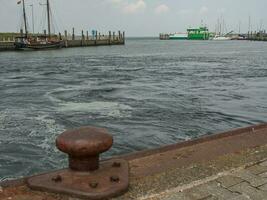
x: 69, y: 40
x: 164, y: 36
x: 7, y: 46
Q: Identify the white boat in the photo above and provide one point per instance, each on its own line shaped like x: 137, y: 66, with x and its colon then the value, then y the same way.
x: 221, y: 38
x: 178, y: 36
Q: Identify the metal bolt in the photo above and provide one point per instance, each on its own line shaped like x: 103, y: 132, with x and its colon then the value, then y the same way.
x: 93, y: 184
x: 114, y: 179
x: 57, y: 179
x: 84, y: 146
x: 116, y: 164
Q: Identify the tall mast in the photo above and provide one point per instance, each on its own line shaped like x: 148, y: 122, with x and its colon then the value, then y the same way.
x: 249, y: 24
x: 48, y: 18
x: 25, y: 19
x: 32, y: 19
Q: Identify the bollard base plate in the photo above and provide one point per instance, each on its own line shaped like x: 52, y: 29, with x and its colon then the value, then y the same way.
x: 110, y: 180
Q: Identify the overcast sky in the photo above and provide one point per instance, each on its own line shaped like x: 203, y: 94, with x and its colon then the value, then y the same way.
x: 137, y: 17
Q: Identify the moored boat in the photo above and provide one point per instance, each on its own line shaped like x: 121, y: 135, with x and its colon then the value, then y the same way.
x: 178, y: 36
x: 221, y: 38
x: 39, y: 42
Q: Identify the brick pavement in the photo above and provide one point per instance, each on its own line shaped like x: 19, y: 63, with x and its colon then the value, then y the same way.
x: 247, y: 183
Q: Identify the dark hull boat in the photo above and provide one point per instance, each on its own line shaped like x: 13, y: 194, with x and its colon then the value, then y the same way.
x: 25, y: 44
x: 38, y: 47
x: 54, y: 45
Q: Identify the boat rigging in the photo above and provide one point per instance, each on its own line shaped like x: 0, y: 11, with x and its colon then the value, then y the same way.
x: 41, y: 41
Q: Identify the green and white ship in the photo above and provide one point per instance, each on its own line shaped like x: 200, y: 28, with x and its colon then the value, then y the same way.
x: 201, y: 33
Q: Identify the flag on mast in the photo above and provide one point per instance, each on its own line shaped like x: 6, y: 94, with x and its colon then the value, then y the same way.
x: 19, y: 2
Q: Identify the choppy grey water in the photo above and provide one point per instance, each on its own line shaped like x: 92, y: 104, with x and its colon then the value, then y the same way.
x: 147, y: 93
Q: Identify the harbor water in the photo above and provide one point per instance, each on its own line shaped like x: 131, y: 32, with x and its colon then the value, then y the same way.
x: 147, y: 93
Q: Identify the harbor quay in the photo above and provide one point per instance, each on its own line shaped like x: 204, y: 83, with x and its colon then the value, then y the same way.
x: 229, y: 166
x: 68, y: 40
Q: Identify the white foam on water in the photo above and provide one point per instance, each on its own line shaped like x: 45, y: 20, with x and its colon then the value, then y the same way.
x: 51, y: 129
x: 111, y: 109
x: 52, y: 98
x: 14, y: 121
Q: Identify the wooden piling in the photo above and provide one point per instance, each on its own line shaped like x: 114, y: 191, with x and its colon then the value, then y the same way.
x: 83, y: 35
x: 21, y: 32
x: 109, y: 37
x: 66, y: 35
x: 66, y: 38
x: 82, y: 40
x: 73, y: 34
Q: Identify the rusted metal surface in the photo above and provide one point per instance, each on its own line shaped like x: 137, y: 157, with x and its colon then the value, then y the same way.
x: 107, y: 182
x: 83, y: 146
x: 85, y: 178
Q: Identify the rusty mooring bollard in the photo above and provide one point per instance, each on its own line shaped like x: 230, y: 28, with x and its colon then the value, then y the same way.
x: 87, y: 177
x: 84, y: 146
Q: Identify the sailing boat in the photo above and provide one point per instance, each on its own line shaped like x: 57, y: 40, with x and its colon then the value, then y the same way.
x: 219, y: 36
x: 40, y: 42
